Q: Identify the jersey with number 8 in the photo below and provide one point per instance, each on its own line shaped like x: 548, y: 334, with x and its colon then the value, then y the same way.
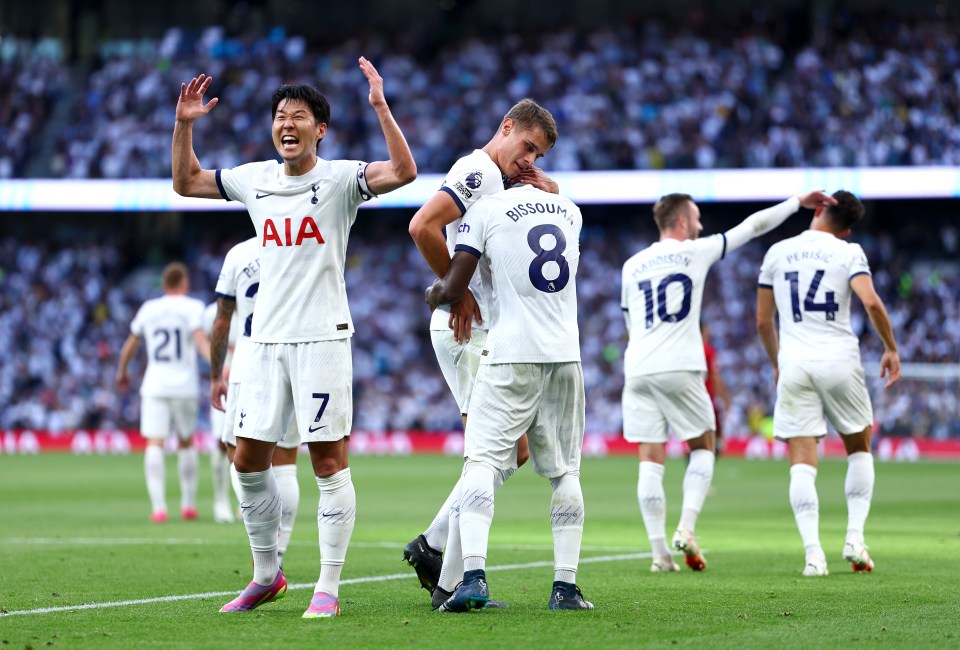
x: 531, y: 241
x: 810, y: 277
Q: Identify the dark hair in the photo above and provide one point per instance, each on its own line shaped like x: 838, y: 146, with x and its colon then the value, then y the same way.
x: 174, y: 274
x: 529, y: 115
x: 668, y: 208
x: 848, y: 211
x: 309, y: 95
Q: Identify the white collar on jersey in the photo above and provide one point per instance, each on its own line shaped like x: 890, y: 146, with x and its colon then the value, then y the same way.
x: 283, y: 185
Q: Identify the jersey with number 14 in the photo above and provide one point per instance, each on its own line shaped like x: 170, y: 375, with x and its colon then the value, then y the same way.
x: 531, y: 240
x: 303, y: 223
x: 240, y: 281
x: 661, y: 296
x: 810, y: 276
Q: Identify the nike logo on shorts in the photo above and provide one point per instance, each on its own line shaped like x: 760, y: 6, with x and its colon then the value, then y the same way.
x: 312, y: 429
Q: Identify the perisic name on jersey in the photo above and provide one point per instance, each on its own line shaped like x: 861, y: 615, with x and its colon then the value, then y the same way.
x: 818, y: 254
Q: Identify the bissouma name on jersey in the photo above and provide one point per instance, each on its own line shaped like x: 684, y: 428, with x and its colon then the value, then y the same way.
x: 672, y: 259
x: 810, y: 255
x: 307, y: 230
x: 524, y: 209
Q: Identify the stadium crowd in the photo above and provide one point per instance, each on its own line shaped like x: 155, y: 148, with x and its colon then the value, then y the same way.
x: 66, y: 308
x: 707, y: 92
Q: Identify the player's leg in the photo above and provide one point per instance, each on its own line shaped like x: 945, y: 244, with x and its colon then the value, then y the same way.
x: 264, y: 409
x: 229, y: 440
x: 220, y: 469
x: 323, y: 393
x: 155, y: 425
x: 644, y: 424
x: 558, y: 433
x: 184, y: 414
x: 696, y: 485
x: 806, y: 502
x: 285, y: 469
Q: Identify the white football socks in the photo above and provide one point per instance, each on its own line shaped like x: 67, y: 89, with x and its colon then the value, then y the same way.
x: 436, y: 533
x: 187, y: 461
x: 155, y: 472
x: 566, y: 521
x: 220, y: 470
x: 696, y: 485
x: 859, y: 490
x: 806, y: 505
x: 336, y: 515
x: 653, y: 506
x: 290, y: 502
x: 451, y: 571
x: 260, y: 503
x: 476, y: 513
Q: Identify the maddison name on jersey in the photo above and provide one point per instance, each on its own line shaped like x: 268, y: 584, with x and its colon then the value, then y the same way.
x: 308, y: 230
x: 524, y: 209
x: 672, y: 259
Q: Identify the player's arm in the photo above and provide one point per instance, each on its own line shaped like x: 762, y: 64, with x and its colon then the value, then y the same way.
x: 189, y: 178
x: 127, y: 352
x: 219, y: 339
x: 862, y: 285
x: 767, y: 327
x: 537, y: 178
x: 453, y: 285
x: 203, y: 343
x: 766, y: 220
x: 387, y: 175
x: 719, y: 387
x: 426, y: 229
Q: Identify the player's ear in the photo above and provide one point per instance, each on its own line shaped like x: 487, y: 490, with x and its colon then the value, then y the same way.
x: 843, y: 234
x: 507, y: 125
x: 818, y: 212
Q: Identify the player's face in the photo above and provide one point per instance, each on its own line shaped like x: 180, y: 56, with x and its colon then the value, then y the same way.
x: 521, y: 149
x: 694, y: 227
x: 296, y: 132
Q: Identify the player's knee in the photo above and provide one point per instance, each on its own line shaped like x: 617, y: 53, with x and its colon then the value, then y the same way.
x: 471, y: 465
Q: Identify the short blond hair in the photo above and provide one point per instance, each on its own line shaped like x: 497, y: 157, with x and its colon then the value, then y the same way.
x: 528, y: 115
x: 174, y: 274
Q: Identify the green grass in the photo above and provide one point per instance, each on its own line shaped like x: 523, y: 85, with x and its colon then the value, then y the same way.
x: 75, y: 531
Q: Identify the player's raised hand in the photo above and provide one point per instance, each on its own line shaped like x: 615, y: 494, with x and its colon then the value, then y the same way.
x: 890, y: 367
x: 534, y: 176
x: 816, y: 199
x: 190, y: 106
x: 377, y: 97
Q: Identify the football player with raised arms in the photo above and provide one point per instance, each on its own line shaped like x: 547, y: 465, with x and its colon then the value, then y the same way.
x: 459, y: 331
x: 302, y: 209
x: 530, y: 379
x: 809, y: 280
x: 664, y: 364
x: 172, y: 326
x: 237, y: 289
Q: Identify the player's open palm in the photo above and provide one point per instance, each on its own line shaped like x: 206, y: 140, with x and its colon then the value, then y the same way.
x: 190, y: 106
x: 376, y: 82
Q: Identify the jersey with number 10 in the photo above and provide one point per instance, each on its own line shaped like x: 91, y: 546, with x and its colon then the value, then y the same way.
x: 810, y: 276
x: 531, y: 240
x: 661, y: 295
x: 167, y: 325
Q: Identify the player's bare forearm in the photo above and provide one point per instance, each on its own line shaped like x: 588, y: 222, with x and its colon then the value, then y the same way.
x: 189, y: 178
x: 766, y: 325
x: 219, y: 336
x: 386, y: 176
x: 129, y: 349
x: 426, y: 230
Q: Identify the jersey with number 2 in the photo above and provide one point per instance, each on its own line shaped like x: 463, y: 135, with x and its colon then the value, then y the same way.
x: 531, y: 240
x: 661, y: 295
x: 810, y: 276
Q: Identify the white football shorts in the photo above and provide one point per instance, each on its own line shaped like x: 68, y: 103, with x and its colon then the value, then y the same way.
x: 459, y: 362
x: 312, y: 382
x: 290, y: 441
x: 160, y: 416
x: 811, y: 392
x: 544, y: 400
x: 677, y: 401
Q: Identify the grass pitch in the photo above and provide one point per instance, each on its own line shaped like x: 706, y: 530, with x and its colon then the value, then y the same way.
x: 81, y: 566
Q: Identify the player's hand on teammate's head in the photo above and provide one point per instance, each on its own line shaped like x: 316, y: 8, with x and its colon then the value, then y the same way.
x: 190, y: 106
x: 377, y: 97
x: 535, y: 176
x: 890, y: 368
x: 816, y: 199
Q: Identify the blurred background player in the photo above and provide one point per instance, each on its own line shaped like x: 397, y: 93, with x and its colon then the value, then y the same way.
x: 458, y: 332
x: 173, y: 328
x: 530, y: 378
x: 716, y: 388
x: 664, y: 364
x: 808, y: 280
x: 302, y: 334
x: 223, y: 512
x: 237, y: 289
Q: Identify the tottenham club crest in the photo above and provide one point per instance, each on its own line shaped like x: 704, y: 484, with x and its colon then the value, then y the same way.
x: 474, y: 179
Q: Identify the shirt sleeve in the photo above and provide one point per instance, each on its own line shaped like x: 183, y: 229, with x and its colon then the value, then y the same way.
x: 710, y: 249
x: 227, y: 282
x: 857, y: 264
x: 235, y: 183
x: 136, y: 326
x: 466, y: 183
x: 472, y: 234
x: 766, y: 272
x: 196, y: 316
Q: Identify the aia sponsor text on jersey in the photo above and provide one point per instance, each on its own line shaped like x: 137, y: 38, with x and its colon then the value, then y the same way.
x: 281, y: 233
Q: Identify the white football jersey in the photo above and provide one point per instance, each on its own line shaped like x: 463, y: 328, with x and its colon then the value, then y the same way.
x: 167, y: 325
x: 240, y: 281
x: 531, y: 240
x: 303, y: 223
x: 661, y: 295
x: 810, y: 277
x: 472, y: 177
